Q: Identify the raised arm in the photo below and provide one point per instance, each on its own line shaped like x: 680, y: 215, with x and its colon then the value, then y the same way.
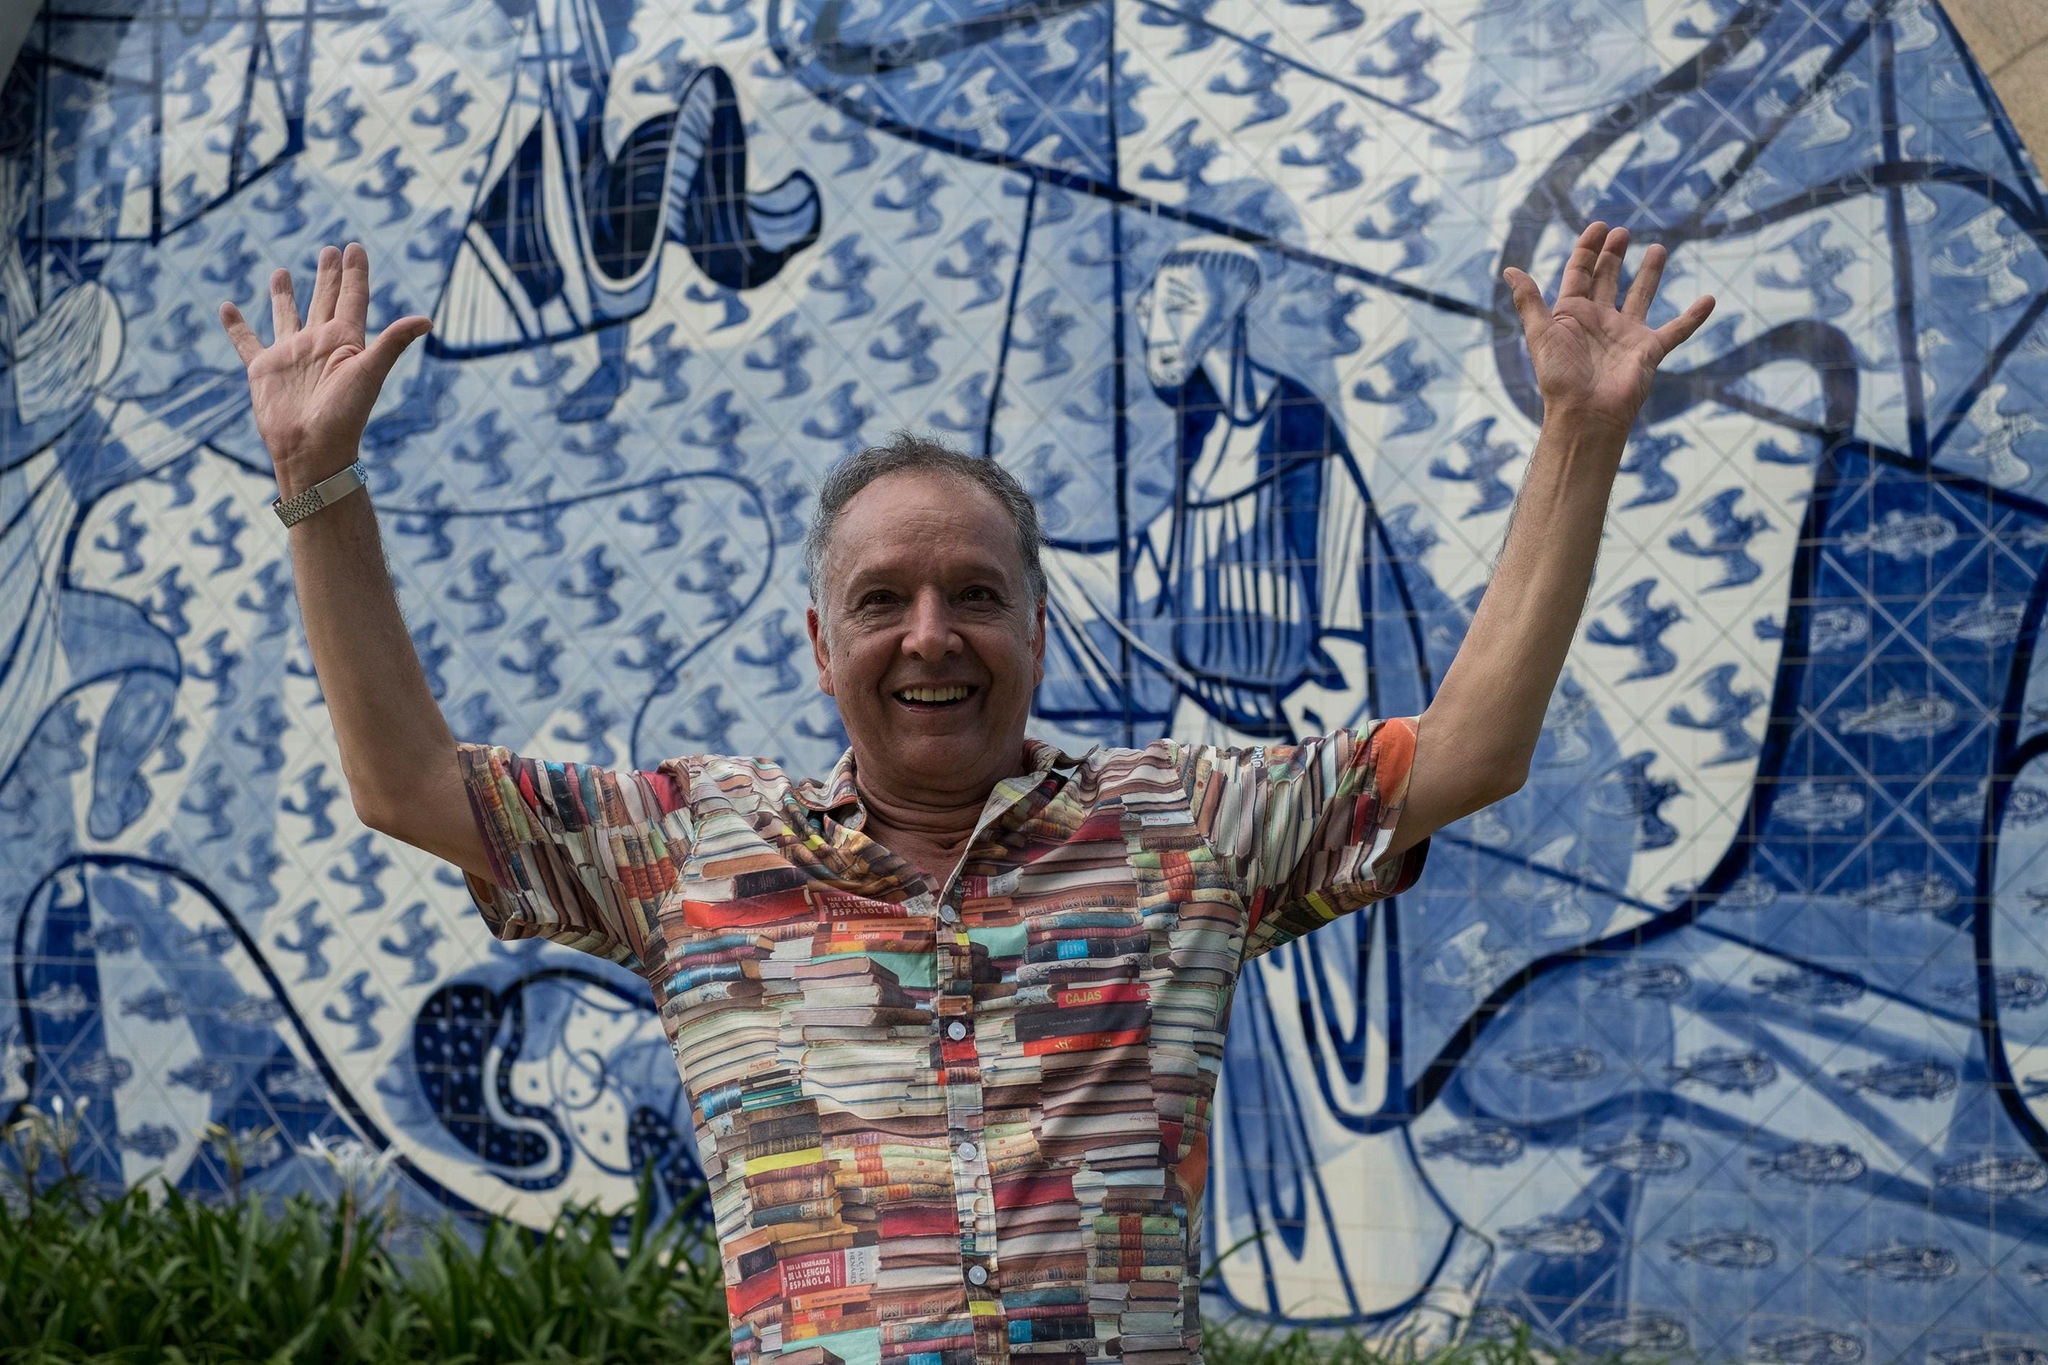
x: 1594, y: 362
x: 311, y: 391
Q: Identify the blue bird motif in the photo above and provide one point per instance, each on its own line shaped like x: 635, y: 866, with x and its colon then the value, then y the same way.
x: 667, y: 72
x: 364, y: 873
x: 1726, y: 715
x: 1344, y: 16
x: 596, y: 722
x: 715, y: 576
x: 593, y: 584
x: 851, y: 134
x: 1628, y: 790
x: 1188, y: 157
x: 720, y: 430
x: 261, y: 731
x: 179, y: 334
x: 1188, y: 16
x: 1407, y: 381
x: 657, y: 649
x: 1332, y: 152
x: 398, y: 43
x: 1484, y: 459
x: 485, y: 447
x: 1334, y: 319
x: 656, y: 508
x: 1409, y: 54
x: 914, y: 341
x: 207, y: 796
x: 778, y: 645
x: 257, y: 870
x: 782, y: 500
x: 391, y: 176
x: 316, y: 794
x: 977, y: 266
x: 966, y: 413
x: 434, y: 240
x: 1261, y: 74
x: 781, y: 350
x: 363, y: 1006
x: 733, y: 308
x: 1818, y: 267
x: 445, y: 113
x: 1731, y: 535
x: 918, y: 188
x: 1405, y: 220
x: 426, y: 642
x: 850, y: 268
x: 737, y: 12
x: 486, y: 581
x: 272, y: 604
x: 427, y: 519
x: 1042, y: 331
x: 218, y: 671
x: 306, y: 942
x: 597, y: 441
x: 707, y: 723
x: 536, y: 662
x: 230, y: 264
x: 541, y: 517
x: 1645, y: 459
x: 1482, y: 117
x: 187, y: 81
x: 844, y: 418
x: 281, y: 197
x: 417, y: 945
x: 125, y: 534
x: 666, y: 361
x: 1643, y: 632
x: 548, y: 367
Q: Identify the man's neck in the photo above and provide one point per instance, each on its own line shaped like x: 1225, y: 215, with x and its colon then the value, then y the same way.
x: 931, y: 835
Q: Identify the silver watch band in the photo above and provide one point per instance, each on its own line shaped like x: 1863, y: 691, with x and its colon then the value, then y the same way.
x: 306, y: 502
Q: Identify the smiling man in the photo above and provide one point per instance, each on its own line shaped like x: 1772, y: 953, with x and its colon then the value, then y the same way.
x: 950, y: 1019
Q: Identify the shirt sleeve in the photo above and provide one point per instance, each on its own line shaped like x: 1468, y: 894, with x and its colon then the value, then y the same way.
x: 1306, y: 827
x: 580, y: 855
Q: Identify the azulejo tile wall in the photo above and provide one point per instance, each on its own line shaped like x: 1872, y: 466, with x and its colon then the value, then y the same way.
x: 1726, y: 1034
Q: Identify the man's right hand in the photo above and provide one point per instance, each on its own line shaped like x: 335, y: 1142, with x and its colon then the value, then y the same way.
x: 312, y: 388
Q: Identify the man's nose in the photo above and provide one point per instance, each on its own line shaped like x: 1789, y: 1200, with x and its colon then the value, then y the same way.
x: 931, y: 633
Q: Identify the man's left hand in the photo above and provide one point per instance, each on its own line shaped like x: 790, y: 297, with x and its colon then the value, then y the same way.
x: 1595, y: 360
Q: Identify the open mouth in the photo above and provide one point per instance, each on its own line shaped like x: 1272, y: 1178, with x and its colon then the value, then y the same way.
x: 933, y: 698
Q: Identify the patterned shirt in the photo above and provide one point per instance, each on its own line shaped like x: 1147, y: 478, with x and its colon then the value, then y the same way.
x: 956, y: 1123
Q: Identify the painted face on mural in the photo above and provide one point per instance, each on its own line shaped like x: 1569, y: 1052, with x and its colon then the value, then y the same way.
x: 928, y: 635
x: 1186, y: 312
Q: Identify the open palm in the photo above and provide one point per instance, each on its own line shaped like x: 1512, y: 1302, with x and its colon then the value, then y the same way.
x: 312, y: 388
x: 1590, y: 356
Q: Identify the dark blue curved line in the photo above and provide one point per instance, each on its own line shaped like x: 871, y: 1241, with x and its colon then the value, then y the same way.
x: 1903, y: 287
x: 1115, y: 194
x: 1967, y: 397
x: 343, y: 1097
x: 995, y: 397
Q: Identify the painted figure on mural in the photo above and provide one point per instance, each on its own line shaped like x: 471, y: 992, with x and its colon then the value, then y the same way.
x: 606, y: 155
x: 1252, y: 574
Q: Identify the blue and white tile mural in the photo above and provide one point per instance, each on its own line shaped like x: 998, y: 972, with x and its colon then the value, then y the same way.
x: 1729, y: 1033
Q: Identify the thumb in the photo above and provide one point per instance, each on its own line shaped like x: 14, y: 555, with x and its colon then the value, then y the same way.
x: 1528, y: 301
x: 390, y: 345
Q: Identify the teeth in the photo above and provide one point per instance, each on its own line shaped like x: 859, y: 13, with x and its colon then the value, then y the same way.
x: 933, y: 694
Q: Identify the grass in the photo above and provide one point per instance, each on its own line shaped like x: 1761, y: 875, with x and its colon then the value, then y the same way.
x: 152, y: 1275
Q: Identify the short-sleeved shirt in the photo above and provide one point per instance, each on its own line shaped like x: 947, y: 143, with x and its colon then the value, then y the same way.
x: 963, y: 1122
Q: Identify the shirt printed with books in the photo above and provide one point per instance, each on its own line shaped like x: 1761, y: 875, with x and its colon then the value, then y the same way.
x: 959, y: 1123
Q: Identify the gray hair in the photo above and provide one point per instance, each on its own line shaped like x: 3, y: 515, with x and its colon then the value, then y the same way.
x: 907, y: 453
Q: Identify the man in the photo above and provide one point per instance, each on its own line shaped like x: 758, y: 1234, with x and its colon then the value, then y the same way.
x: 950, y: 1020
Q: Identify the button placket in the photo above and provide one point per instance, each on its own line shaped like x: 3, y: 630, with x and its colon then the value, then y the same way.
x: 960, y: 1049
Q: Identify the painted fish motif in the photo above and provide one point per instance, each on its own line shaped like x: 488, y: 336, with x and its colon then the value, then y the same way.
x: 1906, y: 1264
x: 1837, y: 628
x: 2025, y: 806
x: 1807, y: 1348
x: 207, y: 1077
x: 1555, y: 1237
x: 1727, y: 1069
x: 152, y: 1141
x: 158, y: 1006
x: 1749, y: 892
x: 253, y: 1011
x: 1991, y: 1353
x: 1480, y: 1145
x: 1637, y: 1332
x: 1814, y: 807
x: 1559, y: 1063
x: 1819, y: 989
x: 1648, y: 981
x: 1901, y: 537
x: 1990, y: 622
x: 108, y: 938
x: 1727, y: 1249
x: 1812, y: 1163
x: 1922, y: 1080
x: 299, y: 1083
x: 103, y: 1072
x: 1900, y: 717
x: 1999, y: 1175
x: 62, y: 1003
x: 1900, y: 892
x: 1640, y: 1156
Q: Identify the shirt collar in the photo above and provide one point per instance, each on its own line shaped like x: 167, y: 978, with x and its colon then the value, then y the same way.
x: 837, y: 792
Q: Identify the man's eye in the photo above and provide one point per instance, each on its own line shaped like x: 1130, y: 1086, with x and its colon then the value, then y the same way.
x: 978, y: 595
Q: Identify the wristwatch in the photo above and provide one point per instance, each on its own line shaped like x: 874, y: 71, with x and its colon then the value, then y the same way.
x: 306, y: 502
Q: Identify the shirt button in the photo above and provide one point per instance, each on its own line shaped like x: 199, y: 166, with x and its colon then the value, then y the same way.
x: 956, y: 1030
x: 977, y: 1275
x: 968, y: 1151
x: 949, y: 914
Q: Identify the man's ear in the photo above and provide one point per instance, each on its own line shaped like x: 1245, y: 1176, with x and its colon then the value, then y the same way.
x: 821, y: 653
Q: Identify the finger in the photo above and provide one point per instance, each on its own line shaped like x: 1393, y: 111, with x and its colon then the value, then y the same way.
x: 1607, y: 270
x: 240, y: 334
x: 326, y: 287
x: 284, y: 309
x: 1674, y: 333
x: 353, y: 306
x: 1578, y: 270
x: 390, y: 345
x: 1643, y: 292
x: 1528, y: 301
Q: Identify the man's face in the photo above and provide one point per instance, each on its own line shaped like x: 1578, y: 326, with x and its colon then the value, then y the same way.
x: 928, y: 636
x: 1184, y: 315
